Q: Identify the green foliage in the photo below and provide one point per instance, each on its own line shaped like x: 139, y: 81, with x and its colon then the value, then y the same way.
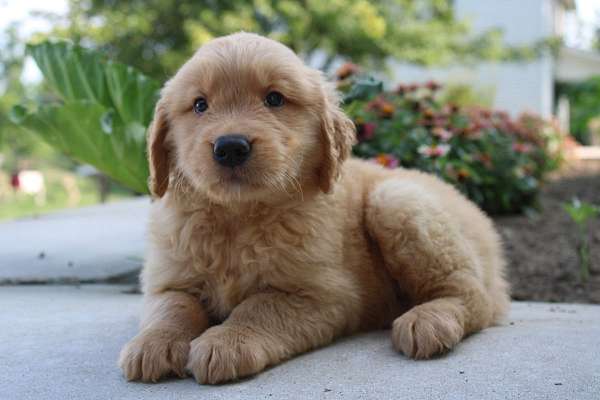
x: 464, y: 95
x: 102, y: 110
x: 496, y: 161
x: 582, y: 214
x: 584, y: 101
x: 157, y: 36
x: 100, y: 114
x: 14, y: 145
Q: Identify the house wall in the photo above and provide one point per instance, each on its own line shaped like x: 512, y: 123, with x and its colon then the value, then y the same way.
x: 573, y: 65
x: 518, y: 87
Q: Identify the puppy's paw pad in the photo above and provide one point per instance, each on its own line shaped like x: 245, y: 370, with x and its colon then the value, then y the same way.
x: 223, y: 354
x: 425, y: 331
x: 154, y: 354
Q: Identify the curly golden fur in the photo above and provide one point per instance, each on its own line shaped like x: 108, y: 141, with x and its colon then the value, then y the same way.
x: 249, y: 266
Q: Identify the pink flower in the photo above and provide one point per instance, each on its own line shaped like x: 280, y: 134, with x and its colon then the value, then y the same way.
x: 386, y: 160
x: 434, y: 150
x: 442, y: 133
x: 433, y: 86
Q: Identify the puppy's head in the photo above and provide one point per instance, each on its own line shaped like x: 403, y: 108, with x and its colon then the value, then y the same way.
x: 244, y: 120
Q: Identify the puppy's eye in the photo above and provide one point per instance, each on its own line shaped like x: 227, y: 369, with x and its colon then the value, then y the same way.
x: 274, y: 99
x: 200, y: 105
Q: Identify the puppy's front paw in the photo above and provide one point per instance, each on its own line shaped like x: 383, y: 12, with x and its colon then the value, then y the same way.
x: 426, y: 330
x: 223, y: 354
x: 154, y: 353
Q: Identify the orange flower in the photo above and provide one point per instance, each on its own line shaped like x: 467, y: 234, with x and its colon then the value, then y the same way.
x: 485, y: 159
x: 347, y: 70
x: 384, y: 108
x: 463, y: 174
x: 386, y: 160
x: 387, y: 110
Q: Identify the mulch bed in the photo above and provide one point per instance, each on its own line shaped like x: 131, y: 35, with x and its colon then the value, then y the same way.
x: 541, y: 249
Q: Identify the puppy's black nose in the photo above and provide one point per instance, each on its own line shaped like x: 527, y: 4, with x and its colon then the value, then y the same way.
x: 231, y: 150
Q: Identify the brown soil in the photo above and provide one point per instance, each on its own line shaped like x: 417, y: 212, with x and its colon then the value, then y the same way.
x: 543, y: 262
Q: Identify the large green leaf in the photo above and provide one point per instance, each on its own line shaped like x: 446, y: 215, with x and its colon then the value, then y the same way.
x: 101, y: 114
x: 73, y: 72
x: 76, y: 73
x: 89, y: 133
x: 133, y: 95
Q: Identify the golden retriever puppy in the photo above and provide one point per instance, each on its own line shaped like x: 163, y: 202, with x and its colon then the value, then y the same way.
x: 266, y: 242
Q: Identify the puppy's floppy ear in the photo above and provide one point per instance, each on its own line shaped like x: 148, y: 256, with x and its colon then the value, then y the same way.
x: 158, y: 153
x: 338, y: 134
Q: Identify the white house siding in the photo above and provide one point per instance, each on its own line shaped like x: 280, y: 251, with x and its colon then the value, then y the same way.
x: 573, y: 65
x: 518, y: 87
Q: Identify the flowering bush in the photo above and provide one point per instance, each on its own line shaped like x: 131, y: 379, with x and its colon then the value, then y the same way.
x: 495, y: 160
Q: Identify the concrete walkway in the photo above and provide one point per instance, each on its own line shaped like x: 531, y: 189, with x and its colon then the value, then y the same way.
x: 99, y: 243
x: 62, y: 342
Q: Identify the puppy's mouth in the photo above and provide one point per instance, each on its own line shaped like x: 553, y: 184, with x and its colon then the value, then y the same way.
x: 237, y: 177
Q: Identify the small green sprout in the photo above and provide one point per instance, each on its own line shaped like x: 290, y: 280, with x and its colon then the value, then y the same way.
x: 582, y: 214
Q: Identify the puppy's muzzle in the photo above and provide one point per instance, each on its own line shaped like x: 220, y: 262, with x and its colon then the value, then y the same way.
x: 231, y: 150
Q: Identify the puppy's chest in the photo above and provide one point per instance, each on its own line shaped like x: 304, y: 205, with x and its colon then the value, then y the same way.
x: 235, y: 259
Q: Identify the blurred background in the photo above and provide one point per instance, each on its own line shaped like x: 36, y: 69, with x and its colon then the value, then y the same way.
x: 540, y: 56
x: 501, y: 99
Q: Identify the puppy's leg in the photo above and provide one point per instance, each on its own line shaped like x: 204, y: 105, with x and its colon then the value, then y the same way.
x: 170, y: 321
x: 434, y: 264
x: 264, y: 330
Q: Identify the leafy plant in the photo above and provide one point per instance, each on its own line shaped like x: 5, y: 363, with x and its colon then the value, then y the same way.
x: 496, y: 161
x: 584, y: 103
x: 582, y: 214
x: 98, y: 113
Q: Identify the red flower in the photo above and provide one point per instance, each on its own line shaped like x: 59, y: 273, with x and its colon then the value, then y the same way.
x: 365, y: 131
x: 521, y: 147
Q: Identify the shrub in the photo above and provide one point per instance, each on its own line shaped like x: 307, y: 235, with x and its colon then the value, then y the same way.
x: 497, y: 161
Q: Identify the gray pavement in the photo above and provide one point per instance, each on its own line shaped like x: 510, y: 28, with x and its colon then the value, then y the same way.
x: 62, y: 342
x: 99, y: 243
